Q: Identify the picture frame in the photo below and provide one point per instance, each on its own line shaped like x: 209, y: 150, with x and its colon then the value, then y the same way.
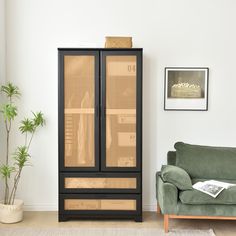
x: 186, y: 88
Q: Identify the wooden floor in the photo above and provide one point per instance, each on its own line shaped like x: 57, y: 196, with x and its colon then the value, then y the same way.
x: 151, y: 220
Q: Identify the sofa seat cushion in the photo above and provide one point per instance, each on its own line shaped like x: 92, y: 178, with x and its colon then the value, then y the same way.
x: 195, y: 197
x: 206, y: 162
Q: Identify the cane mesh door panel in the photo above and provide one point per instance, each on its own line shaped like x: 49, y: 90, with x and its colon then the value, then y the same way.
x: 121, y: 111
x: 79, y: 83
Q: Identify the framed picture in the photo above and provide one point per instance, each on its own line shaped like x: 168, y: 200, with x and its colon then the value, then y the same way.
x: 186, y: 89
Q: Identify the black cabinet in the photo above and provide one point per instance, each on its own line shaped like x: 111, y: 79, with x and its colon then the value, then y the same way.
x: 100, y: 133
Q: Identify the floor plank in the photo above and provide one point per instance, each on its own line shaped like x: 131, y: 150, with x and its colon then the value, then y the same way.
x: 42, y: 219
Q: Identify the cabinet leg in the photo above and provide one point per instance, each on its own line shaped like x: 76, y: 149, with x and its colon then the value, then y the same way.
x: 138, y: 219
x: 62, y: 218
x: 158, y: 209
x: 166, y: 223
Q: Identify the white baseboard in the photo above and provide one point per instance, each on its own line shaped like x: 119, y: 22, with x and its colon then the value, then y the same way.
x: 149, y: 207
x: 146, y: 207
x: 40, y: 207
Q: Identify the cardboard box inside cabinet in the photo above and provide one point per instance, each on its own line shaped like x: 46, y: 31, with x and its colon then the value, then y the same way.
x: 127, y: 139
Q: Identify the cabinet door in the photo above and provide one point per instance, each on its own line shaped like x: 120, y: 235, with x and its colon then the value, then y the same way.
x: 78, y: 110
x: 121, y: 110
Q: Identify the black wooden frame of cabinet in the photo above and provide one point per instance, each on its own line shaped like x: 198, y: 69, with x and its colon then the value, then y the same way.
x: 96, y: 214
x: 101, y: 190
x: 69, y: 171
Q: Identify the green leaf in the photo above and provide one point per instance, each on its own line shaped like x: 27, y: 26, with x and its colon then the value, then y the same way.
x: 27, y: 125
x: 10, y: 90
x: 38, y: 119
x: 6, y: 170
x: 21, y: 156
x: 9, y: 111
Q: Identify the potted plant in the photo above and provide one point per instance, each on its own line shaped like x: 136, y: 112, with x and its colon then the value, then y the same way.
x: 11, y: 209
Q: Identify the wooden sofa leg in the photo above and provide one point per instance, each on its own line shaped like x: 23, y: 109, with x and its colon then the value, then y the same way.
x: 166, y: 223
x: 158, y: 209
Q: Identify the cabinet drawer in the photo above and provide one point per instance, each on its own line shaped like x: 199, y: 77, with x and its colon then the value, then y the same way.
x: 100, y: 182
x: 101, y: 203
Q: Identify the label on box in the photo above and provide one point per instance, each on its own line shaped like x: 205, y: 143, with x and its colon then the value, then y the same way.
x: 121, y: 68
x: 126, y: 119
x: 127, y: 139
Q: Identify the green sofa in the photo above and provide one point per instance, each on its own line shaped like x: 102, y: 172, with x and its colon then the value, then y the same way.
x: 187, y: 165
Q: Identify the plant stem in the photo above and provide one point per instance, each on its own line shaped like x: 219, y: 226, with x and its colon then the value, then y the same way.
x: 30, y: 141
x: 8, y: 128
x: 17, y: 176
x: 6, y: 191
x: 12, y: 191
x: 14, y: 188
x: 25, y: 138
x: 8, y: 134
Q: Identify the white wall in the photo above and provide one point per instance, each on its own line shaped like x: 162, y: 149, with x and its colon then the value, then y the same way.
x: 172, y: 33
x: 2, y: 76
x: 2, y: 41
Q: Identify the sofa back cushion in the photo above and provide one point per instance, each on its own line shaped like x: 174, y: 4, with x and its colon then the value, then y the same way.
x: 171, y: 158
x: 206, y: 162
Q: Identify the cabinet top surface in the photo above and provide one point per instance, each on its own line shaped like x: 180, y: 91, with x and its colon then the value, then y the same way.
x: 101, y: 49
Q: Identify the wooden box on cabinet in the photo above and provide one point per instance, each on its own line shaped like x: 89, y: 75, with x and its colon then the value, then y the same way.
x: 100, y: 133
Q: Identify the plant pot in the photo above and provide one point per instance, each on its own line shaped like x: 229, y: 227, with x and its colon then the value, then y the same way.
x: 11, y: 213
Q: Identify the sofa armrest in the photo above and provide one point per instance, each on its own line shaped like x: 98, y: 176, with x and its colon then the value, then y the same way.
x: 167, y: 196
x: 176, y: 176
x: 158, y: 174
